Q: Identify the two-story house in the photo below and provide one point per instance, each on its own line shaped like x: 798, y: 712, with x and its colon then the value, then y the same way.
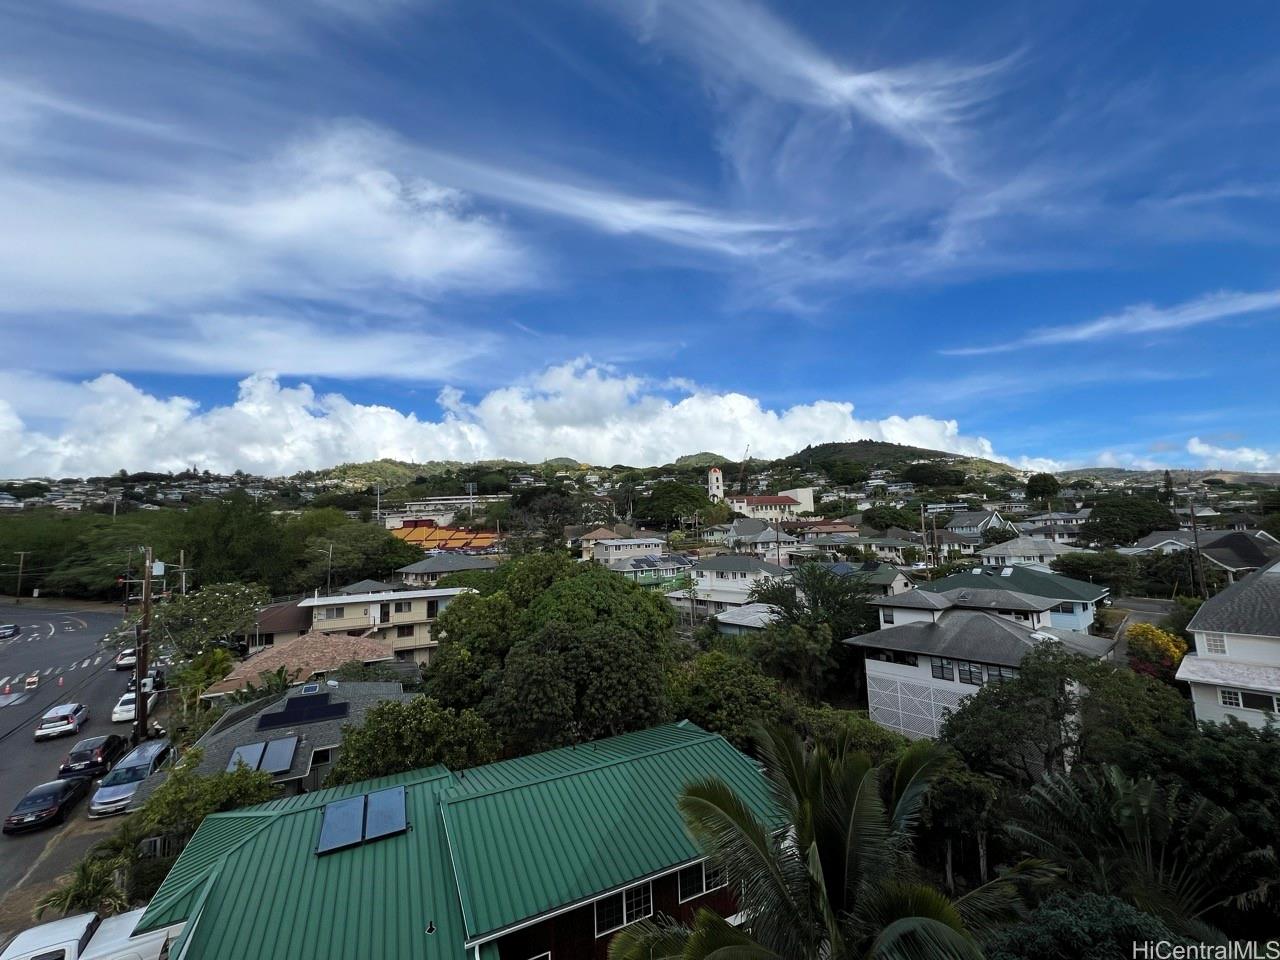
x: 1235, y: 667
x: 763, y: 507
x: 403, y: 621
x: 1075, y: 602
x: 606, y: 551
x: 722, y: 583
x: 655, y: 572
x: 1026, y: 551
x: 543, y: 857
x: 425, y: 572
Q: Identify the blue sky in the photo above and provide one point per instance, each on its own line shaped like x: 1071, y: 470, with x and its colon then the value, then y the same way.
x: 270, y: 235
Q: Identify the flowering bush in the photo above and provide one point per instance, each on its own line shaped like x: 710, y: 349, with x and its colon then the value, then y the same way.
x: 1153, y: 651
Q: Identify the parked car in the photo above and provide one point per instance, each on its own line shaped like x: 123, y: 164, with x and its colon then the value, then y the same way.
x: 87, y: 937
x: 126, y: 708
x: 62, y: 719
x: 93, y: 757
x: 116, y: 789
x: 154, y: 680
x: 127, y: 659
x: 9, y: 630
x: 45, y: 804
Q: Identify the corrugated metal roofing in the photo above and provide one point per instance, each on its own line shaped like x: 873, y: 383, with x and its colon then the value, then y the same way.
x: 604, y: 817
x: 504, y: 843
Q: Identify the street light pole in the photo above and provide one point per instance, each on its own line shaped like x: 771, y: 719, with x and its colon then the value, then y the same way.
x: 22, y: 560
x: 140, y: 659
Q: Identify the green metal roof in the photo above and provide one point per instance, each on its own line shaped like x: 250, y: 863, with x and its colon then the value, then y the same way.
x: 605, y: 814
x: 1036, y: 583
x: 487, y: 848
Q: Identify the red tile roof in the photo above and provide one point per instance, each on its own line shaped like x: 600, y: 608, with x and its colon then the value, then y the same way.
x: 302, y: 658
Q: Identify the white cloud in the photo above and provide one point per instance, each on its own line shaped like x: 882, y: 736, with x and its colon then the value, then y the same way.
x: 1233, y: 458
x: 336, y: 216
x: 1142, y: 318
x: 582, y: 410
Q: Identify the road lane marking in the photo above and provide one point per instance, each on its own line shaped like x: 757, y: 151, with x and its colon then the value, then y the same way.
x: 98, y: 661
x: 48, y: 670
x: 86, y: 662
x: 4, y: 681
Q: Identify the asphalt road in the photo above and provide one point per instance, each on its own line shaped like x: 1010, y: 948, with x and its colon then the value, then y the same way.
x: 61, y: 646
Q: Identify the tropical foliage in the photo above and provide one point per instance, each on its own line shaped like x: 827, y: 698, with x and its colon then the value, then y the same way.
x: 1153, y: 651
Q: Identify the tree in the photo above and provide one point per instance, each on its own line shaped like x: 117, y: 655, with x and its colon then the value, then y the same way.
x: 838, y: 882
x: 828, y: 725
x: 1184, y: 608
x: 797, y: 654
x: 669, y: 502
x: 816, y: 595
x: 1153, y: 651
x: 405, y: 735
x: 727, y: 695
x: 1114, y: 570
x: 883, y: 517
x: 959, y: 806
x: 1042, y: 486
x: 933, y: 475
x: 91, y: 886
x: 184, y: 798
x: 1062, y: 706
x: 1070, y: 925
x: 993, y: 535
x: 1166, y: 851
x: 195, y: 623
x: 1168, y: 495
x: 1121, y: 518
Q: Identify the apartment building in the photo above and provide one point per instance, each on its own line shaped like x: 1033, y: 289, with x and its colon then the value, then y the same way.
x: 403, y: 621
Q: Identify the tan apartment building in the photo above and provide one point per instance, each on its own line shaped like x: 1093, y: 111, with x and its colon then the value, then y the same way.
x: 401, y: 620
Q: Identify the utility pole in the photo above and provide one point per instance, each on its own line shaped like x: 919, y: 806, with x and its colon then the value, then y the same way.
x: 328, y: 577
x: 22, y: 560
x: 140, y: 661
x: 1195, y: 539
x: 924, y: 539
x: 182, y: 570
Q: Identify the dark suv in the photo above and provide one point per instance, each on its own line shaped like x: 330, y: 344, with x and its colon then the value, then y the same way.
x: 93, y: 757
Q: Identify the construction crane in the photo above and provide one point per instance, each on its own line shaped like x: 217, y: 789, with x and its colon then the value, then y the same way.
x: 742, y: 474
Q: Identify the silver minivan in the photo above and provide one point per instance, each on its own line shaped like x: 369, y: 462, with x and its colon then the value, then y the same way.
x: 117, y: 788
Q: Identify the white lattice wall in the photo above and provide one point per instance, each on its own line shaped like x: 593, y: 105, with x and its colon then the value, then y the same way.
x: 913, y: 709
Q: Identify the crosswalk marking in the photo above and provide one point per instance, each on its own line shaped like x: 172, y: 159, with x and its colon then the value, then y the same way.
x: 86, y: 662
x: 98, y: 661
x: 48, y: 670
x: 4, y: 681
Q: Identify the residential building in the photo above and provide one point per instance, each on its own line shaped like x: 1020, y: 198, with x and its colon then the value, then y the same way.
x: 296, y: 738
x: 544, y: 856
x: 722, y: 583
x: 1026, y: 551
x: 275, y: 623
x: 750, y: 618
x: 657, y: 572
x: 921, y: 670
x: 764, y: 507
x: 884, y: 579
x: 975, y: 523
x: 1235, y: 552
x: 803, y: 496
x: 401, y: 621
x: 442, y: 510
x: 1075, y: 602
x: 606, y: 551
x: 1234, y: 670
x: 428, y: 570
x: 768, y: 542
x: 304, y: 659
x: 926, y: 605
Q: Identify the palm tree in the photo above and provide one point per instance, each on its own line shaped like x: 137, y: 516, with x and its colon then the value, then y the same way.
x: 90, y: 886
x: 833, y: 877
x: 1169, y: 852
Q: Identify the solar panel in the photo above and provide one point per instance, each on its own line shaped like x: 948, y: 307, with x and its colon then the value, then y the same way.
x: 279, y: 755
x: 342, y: 826
x: 250, y: 754
x: 309, y: 714
x: 311, y: 688
x: 385, y: 815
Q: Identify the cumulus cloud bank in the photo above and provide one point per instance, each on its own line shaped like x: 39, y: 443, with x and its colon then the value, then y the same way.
x: 579, y: 409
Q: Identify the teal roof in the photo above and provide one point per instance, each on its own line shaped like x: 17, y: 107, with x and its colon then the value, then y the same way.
x: 1035, y: 583
x: 487, y: 848
x: 605, y: 815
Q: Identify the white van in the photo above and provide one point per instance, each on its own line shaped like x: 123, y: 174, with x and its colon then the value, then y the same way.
x: 87, y: 937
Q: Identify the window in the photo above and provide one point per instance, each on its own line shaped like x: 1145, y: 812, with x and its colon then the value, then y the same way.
x: 1001, y: 673
x: 319, y: 757
x: 626, y: 906
x: 700, y: 878
x: 433, y: 609
x: 970, y: 673
x: 1215, y: 643
x: 639, y: 902
x: 886, y: 615
x: 334, y: 613
x: 1229, y: 698
x: 1257, y: 701
x: 403, y: 606
x: 941, y: 668
x: 1065, y: 607
x: 404, y: 631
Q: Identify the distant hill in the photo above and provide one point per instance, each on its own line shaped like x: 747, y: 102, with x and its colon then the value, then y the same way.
x: 888, y: 456
x: 701, y: 460
x: 397, y: 473
x: 1238, y: 477
x: 564, y: 463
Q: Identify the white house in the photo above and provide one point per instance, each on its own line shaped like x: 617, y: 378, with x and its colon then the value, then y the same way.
x: 1075, y: 602
x: 1234, y: 670
x: 1030, y: 551
x: 974, y: 523
x: 606, y: 551
x: 762, y: 507
x: 723, y: 583
x: 919, y: 671
x: 1237, y: 552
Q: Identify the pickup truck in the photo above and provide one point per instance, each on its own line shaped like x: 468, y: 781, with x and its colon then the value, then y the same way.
x: 87, y: 937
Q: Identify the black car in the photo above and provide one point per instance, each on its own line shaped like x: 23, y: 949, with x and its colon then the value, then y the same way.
x: 9, y: 630
x: 45, y: 804
x: 93, y: 757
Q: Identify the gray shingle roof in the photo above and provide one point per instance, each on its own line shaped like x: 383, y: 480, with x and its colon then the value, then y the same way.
x: 740, y: 564
x: 976, y: 635
x: 1250, y: 606
x: 449, y: 563
x: 1029, y: 547
x: 1021, y: 580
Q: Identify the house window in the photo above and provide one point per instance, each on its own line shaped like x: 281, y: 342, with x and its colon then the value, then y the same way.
x: 320, y: 757
x: 334, y: 613
x: 1229, y: 698
x: 403, y: 606
x: 1001, y: 673
x: 1257, y: 701
x: 1215, y: 643
x: 433, y: 609
x: 886, y: 615
x: 970, y: 673
x: 626, y: 906
x: 700, y: 878
x: 1065, y: 608
x: 941, y: 668
x: 404, y: 631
